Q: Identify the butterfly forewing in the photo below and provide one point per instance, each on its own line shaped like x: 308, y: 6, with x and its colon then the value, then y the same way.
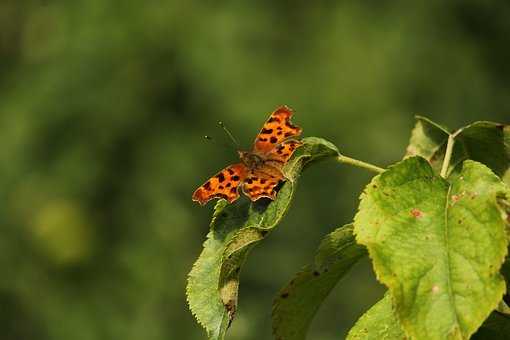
x: 225, y: 184
x: 275, y: 130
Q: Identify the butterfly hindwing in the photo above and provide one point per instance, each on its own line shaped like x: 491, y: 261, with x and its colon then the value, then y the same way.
x: 225, y: 184
x: 280, y: 155
x: 275, y: 130
x: 262, y: 183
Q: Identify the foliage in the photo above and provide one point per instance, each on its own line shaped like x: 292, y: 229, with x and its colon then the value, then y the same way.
x: 296, y: 304
x: 103, y: 110
x: 235, y: 229
x: 435, y: 227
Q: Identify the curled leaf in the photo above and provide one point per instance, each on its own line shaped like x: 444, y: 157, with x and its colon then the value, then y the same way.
x: 235, y: 228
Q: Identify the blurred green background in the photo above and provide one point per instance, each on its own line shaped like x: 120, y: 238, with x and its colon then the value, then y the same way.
x: 103, y: 106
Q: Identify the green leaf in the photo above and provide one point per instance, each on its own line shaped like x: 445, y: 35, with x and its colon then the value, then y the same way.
x: 438, y: 246
x: 378, y: 323
x: 296, y: 304
x: 235, y: 228
x: 484, y: 142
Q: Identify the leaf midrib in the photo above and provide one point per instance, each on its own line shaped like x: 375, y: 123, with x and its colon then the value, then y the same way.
x: 451, y: 297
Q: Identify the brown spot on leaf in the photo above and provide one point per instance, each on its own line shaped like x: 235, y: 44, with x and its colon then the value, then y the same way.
x: 284, y: 295
x: 417, y: 213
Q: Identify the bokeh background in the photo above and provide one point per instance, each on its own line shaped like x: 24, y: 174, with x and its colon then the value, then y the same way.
x: 103, y: 106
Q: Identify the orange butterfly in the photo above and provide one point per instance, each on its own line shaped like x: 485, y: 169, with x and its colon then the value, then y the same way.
x: 259, y: 172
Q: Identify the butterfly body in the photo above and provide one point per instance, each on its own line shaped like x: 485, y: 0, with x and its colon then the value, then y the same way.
x: 260, y: 170
x: 251, y: 160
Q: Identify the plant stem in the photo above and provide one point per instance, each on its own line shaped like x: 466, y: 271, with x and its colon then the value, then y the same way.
x: 359, y: 164
x: 448, y: 155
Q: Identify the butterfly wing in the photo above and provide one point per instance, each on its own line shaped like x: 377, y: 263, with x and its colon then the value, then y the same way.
x: 262, y: 183
x: 275, y: 130
x: 225, y: 184
x: 279, y: 156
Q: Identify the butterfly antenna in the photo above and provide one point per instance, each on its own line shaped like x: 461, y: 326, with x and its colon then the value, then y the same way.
x: 211, y: 139
x: 236, y: 143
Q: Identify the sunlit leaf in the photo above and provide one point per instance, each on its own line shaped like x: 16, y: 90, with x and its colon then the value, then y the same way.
x: 235, y: 229
x: 296, y: 304
x: 438, y: 246
x: 378, y: 323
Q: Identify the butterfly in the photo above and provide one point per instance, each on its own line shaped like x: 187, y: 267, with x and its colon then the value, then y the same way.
x: 260, y: 170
